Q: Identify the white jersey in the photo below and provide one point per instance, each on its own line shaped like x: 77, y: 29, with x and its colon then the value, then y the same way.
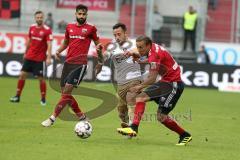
x: 125, y: 69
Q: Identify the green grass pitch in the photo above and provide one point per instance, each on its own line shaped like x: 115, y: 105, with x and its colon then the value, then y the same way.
x: 211, y: 117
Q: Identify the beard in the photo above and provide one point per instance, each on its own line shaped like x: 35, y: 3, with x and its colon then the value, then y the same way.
x: 80, y: 20
x: 39, y: 23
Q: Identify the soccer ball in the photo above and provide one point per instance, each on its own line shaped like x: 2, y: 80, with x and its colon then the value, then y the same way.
x: 83, y: 129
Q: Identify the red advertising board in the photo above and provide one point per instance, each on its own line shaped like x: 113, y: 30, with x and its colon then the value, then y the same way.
x: 98, y: 5
x: 16, y: 43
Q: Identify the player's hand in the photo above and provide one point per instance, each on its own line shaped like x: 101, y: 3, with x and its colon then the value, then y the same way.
x: 136, y: 59
x: 98, y: 69
x: 57, y: 56
x: 48, y: 61
x: 99, y: 46
x: 127, y: 54
x: 136, y: 89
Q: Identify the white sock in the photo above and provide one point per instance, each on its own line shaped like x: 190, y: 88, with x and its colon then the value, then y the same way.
x: 52, y: 117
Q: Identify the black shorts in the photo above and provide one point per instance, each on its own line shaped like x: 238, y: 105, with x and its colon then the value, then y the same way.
x: 72, y: 74
x: 36, y: 68
x: 165, y: 95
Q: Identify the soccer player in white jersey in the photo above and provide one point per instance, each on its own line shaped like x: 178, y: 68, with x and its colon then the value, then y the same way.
x: 128, y: 73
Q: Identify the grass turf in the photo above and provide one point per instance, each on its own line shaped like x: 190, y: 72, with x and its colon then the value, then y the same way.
x: 211, y: 117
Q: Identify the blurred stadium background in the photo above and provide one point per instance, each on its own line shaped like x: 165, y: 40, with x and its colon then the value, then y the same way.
x: 218, y: 29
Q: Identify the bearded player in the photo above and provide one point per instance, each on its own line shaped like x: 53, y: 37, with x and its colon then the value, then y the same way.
x: 128, y: 73
x: 78, y: 36
x: 38, y: 43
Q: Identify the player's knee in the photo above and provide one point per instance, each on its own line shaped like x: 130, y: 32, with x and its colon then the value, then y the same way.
x: 141, y: 98
x: 131, y: 98
x: 131, y: 108
x: 161, y: 117
x: 22, y: 75
x: 67, y: 89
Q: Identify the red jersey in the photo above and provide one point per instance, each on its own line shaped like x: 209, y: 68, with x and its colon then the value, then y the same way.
x: 160, y: 59
x: 38, y: 45
x: 79, y: 37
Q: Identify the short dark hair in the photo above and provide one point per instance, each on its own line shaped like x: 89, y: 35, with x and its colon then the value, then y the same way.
x: 146, y: 39
x: 121, y: 25
x: 38, y: 12
x: 81, y: 7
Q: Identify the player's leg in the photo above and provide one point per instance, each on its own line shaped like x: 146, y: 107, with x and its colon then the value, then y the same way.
x: 153, y: 92
x: 38, y: 71
x: 58, y: 108
x: 131, y: 109
x: 141, y: 100
x: 123, y: 113
x: 125, y: 97
x: 71, y: 80
x: 20, y: 86
x: 122, y: 105
x: 167, y: 121
x: 167, y: 103
x: 75, y: 79
x: 27, y: 67
x: 43, y: 90
x: 131, y: 100
x: 66, y: 98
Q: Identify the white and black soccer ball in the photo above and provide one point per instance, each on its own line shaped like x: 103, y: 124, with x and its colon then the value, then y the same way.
x: 83, y: 129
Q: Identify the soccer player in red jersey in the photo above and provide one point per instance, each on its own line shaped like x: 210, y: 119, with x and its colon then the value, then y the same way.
x: 39, y: 42
x: 78, y: 37
x: 165, y: 92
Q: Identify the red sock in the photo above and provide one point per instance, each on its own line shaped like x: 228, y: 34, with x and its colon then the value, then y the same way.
x: 138, y: 113
x: 75, y: 108
x: 172, y: 125
x: 65, y: 99
x: 20, y: 86
x: 43, y: 88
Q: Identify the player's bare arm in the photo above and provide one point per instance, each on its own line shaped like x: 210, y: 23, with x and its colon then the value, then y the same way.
x: 99, y: 51
x: 150, y: 80
x: 27, y: 46
x: 49, y: 53
x: 63, y: 46
x: 99, y: 47
x: 134, y: 54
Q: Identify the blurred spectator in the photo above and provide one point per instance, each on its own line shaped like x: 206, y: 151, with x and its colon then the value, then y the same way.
x: 203, y: 56
x: 212, y: 4
x: 49, y: 20
x: 189, y: 26
x: 62, y: 26
x: 157, y: 23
